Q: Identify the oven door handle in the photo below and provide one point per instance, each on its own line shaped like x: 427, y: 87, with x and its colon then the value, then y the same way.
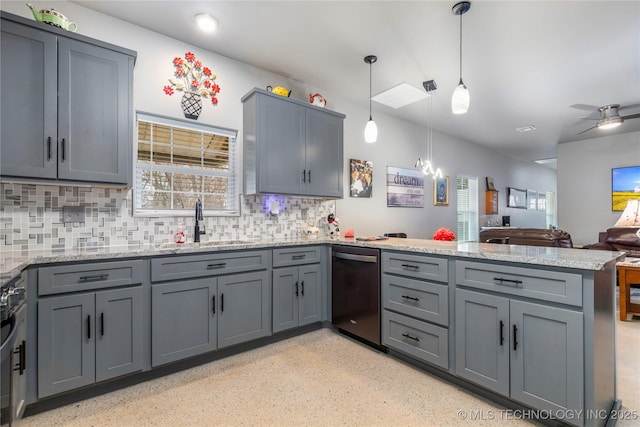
x: 354, y: 257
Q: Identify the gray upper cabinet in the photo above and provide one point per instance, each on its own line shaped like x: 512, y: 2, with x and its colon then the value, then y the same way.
x: 291, y: 147
x: 67, y: 105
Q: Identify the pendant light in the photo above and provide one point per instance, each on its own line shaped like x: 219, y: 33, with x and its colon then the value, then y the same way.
x: 460, y: 98
x: 370, y: 130
x: 427, y: 165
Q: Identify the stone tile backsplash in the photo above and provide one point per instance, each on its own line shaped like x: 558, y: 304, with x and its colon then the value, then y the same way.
x: 31, y: 217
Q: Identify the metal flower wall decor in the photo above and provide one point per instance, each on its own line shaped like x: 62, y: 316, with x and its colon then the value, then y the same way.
x: 196, y: 81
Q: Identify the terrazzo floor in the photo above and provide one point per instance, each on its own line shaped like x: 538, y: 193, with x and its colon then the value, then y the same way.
x: 318, y: 379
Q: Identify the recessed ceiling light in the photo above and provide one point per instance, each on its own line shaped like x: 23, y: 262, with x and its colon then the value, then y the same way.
x: 526, y: 129
x: 206, y: 22
x: 400, y: 95
x: 546, y: 161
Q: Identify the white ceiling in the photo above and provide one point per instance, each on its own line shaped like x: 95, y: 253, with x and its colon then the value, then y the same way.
x: 524, y: 62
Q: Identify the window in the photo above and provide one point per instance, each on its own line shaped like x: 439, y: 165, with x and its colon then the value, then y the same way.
x: 179, y: 162
x: 467, y: 195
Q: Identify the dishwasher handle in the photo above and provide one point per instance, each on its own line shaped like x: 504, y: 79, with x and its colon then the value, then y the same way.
x: 354, y: 257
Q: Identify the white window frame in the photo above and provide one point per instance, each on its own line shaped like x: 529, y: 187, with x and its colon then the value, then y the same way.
x: 467, y: 213
x: 234, y: 175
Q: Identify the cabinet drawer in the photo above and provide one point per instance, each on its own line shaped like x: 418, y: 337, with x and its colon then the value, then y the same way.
x: 186, y: 267
x: 83, y: 277
x: 296, y: 256
x: 418, y: 266
x: 421, y: 340
x: 424, y: 300
x: 561, y: 287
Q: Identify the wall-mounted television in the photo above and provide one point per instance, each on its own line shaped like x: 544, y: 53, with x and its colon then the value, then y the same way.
x: 625, y: 185
x: 517, y: 198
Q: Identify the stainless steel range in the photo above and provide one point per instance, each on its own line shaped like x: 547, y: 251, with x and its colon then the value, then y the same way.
x: 13, y: 319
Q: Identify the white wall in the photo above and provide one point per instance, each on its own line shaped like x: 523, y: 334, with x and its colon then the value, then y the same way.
x: 584, y: 182
x: 399, y: 143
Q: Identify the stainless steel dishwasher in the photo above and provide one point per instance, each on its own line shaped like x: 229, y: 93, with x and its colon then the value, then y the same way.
x: 355, y: 291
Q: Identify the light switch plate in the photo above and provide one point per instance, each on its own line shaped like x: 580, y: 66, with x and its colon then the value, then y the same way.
x: 72, y: 214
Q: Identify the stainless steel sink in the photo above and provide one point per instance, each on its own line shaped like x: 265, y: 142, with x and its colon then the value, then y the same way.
x: 209, y: 243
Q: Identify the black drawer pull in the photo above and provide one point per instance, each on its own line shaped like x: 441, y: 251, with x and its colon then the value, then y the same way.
x: 216, y: 266
x: 515, y: 339
x: 94, y: 278
x: 101, y: 324
x: 507, y: 281
x: 89, y: 327
x: 22, y: 359
x: 416, y: 339
x: 213, y: 304
x: 304, y: 175
x: 411, y: 298
x: 296, y: 288
x: 49, y: 148
x: 412, y: 267
x: 303, y: 256
x: 222, y: 303
x: 501, y: 332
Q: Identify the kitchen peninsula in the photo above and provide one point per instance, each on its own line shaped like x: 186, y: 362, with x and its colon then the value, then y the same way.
x: 527, y: 326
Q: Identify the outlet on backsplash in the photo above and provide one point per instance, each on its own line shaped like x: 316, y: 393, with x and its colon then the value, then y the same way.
x: 72, y: 214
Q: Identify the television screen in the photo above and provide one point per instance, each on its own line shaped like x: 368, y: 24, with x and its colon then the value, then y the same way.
x: 625, y: 185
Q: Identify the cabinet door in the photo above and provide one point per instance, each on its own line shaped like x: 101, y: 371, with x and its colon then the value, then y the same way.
x: 28, y: 129
x: 546, y: 362
x: 482, y: 339
x: 281, y: 142
x: 310, y: 298
x: 491, y: 202
x: 286, y: 290
x: 244, y: 306
x: 94, y: 119
x: 324, y: 136
x: 183, y: 320
x: 66, y: 343
x: 118, y: 332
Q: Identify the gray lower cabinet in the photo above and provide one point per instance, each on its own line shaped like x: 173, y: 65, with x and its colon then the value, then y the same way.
x: 527, y: 351
x: 196, y: 316
x: 88, y: 337
x: 296, y: 296
x: 66, y: 105
x: 291, y: 147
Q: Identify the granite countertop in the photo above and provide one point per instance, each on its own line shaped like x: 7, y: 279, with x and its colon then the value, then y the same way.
x: 11, y: 263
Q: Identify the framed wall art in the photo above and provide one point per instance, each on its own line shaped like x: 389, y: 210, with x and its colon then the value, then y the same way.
x: 441, y: 191
x: 625, y: 185
x: 405, y: 187
x: 490, y: 184
x: 361, y: 178
x: 517, y: 198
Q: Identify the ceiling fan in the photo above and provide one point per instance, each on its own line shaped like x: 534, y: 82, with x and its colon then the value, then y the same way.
x: 607, y: 116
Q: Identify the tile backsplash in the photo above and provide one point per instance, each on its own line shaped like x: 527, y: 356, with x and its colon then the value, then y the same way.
x: 31, y: 217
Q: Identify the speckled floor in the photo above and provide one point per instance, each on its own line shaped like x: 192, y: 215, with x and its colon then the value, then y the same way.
x: 317, y: 379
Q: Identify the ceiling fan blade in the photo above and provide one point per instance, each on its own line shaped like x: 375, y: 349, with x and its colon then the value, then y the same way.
x: 586, y: 130
x: 589, y: 118
x: 631, y: 116
x: 629, y: 107
x: 584, y: 107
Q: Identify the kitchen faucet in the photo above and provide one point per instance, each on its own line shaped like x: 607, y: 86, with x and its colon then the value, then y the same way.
x: 199, y: 229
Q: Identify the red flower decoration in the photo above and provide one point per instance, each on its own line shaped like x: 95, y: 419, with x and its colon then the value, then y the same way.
x: 189, y: 56
x: 206, y: 71
x: 197, y: 64
x: 178, y: 62
x: 194, y: 83
x: 215, y: 88
x: 191, y: 76
x: 180, y: 72
x: 214, y: 100
x: 168, y: 90
x: 444, y: 234
x: 207, y: 84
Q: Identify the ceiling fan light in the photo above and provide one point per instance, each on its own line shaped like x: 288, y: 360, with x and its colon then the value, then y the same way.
x: 610, y: 123
x: 371, y: 132
x: 460, y: 99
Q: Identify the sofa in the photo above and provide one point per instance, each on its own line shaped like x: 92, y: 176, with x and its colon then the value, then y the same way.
x: 526, y: 236
x: 622, y: 239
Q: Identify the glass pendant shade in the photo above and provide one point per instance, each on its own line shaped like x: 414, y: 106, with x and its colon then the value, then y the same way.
x: 370, y: 131
x: 460, y: 99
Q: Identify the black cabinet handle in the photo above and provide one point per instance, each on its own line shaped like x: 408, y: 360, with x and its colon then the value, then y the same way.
x: 515, y: 339
x: 216, y: 266
x: 294, y: 257
x: 502, y: 281
x: 304, y: 175
x: 89, y: 327
x: 22, y: 359
x: 213, y: 304
x: 101, y: 324
x: 302, y: 286
x: 222, y: 303
x: 411, y: 298
x: 412, y: 267
x: 93, y: 278
x: 309, y: 176
x: 501, y: 332
x: 49, y: 148
x: 63, y: 154
x: 416, y: 339
x: 296, y: 288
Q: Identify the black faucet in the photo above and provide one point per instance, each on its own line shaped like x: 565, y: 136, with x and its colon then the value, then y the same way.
x: 199, y: 229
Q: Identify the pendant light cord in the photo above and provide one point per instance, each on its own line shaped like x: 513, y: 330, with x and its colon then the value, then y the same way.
x: 461, y: 47
x: 370, y: 91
